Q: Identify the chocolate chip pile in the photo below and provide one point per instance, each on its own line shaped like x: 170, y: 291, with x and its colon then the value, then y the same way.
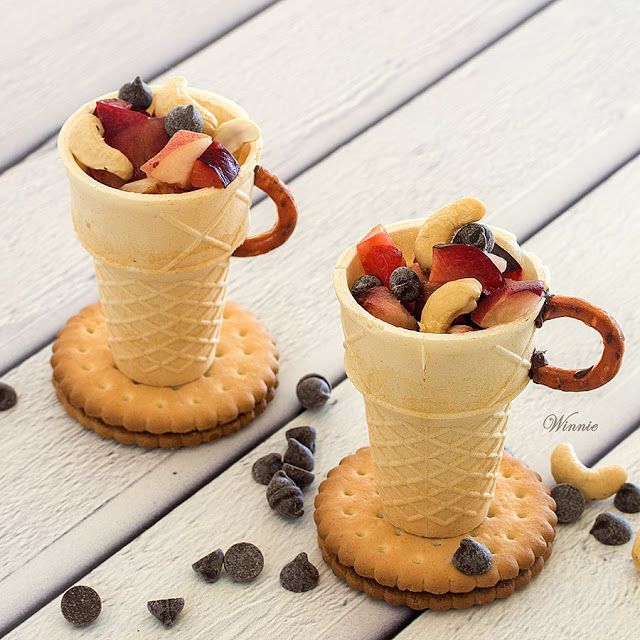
x: 609, y: 528
x: 287, y: 475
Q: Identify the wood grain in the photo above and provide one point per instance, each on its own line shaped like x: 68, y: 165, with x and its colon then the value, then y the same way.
x: 56, y: 56
x: 220, y: 508
x: 311, y: 78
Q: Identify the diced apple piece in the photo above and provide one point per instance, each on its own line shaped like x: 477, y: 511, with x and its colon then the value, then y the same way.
x: 379, y: 254
x: 141, y: 141
x: 174, y: 163
x: 117, y: 115
x: 513, y: 269
x: 456, y: 261
x: 382, y: 304
x: 514, y: 300
x: 216, y: 167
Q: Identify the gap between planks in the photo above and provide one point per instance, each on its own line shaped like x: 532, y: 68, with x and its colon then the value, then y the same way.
x: 31, y: 338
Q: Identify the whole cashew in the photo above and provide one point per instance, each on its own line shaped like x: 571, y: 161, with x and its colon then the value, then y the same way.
x: 595, y: 484
x: 440, y: 227
x: 89, y: 148
x: 234, y: 133
x: 173, y: 93
x: 447, y: 302
x: 635, y: 551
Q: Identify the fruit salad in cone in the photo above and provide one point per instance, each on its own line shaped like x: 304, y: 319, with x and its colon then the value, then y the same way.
x: 159, y: 140
x: 458, y: 280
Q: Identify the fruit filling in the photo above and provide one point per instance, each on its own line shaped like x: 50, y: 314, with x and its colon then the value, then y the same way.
x: 477, y: 282
x: 160, y: 141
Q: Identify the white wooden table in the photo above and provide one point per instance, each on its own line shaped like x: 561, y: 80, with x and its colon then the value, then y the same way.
x: 374, y: 110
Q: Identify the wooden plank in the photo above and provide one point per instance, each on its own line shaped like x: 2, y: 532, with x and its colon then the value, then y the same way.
x: 587, y: 590
x: 56, y: 56
x: 341, y: 75
x: 219, y: 510
x: 233, y: 508
x: 308, y: 328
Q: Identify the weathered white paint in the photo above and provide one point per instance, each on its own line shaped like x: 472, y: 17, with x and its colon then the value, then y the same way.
x: 311, y: 77
x: 564, y: 243
x: 57, y: 55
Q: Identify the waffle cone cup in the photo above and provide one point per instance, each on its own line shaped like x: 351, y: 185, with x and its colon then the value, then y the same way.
x: 162, y: 261
x: 437, y: 406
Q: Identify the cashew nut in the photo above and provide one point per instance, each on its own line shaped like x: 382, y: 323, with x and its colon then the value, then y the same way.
x: 440, y: 227
x: 89, y: 148
x: 173, y: 93
x: 447, y: 302
x: 595, y: 484
x: 635, y: 551
x: 234, y: 133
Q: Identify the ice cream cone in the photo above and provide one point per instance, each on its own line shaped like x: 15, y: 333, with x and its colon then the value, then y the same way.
x: 162, y: 261
x: 437, y: 406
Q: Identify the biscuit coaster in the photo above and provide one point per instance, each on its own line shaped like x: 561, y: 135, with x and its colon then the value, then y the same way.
x: 373, y: 556
x: 232, y: 392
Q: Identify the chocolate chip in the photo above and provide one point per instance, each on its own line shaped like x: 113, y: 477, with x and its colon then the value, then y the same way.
x: 166, y: 610
x: 476, y: 235
x: 472, y: 558
x: 610, y: 528
x: 405, y: 284
x: 210, y: 566
x: 628, y: 498
x: 298, y: 455
x: 138, y: 93
x: 364, y: 283
x: 243, y: 562
x: 81, y: 605
x: 264, y: 468
x: 284, y: 496
x: 313, y: 391
x: 304, y: 435
x: 569, y: 502
x: 299, y: 575
x: 183, y: 118
x: 301, y: 477
x: 8, y: 397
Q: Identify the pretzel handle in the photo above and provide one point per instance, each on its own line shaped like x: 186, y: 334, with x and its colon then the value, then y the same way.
x: 287, y: 216
x: 580, y: 379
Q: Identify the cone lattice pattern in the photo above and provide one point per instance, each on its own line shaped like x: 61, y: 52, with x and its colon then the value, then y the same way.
x: 163, y: 328
x: 436, y: 477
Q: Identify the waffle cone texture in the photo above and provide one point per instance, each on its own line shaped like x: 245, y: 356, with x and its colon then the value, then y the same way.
x: 437, y: 406
x: 162, y: 261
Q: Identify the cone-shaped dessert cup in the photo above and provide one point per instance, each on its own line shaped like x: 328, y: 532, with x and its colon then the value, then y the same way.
x: 162, y: 260
x: 437, y: 405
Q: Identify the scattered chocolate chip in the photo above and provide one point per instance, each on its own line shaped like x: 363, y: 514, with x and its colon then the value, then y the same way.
x: 8, y: 397
x: 569, y: 502
x: 364, y: 283
x: 243, y: 562
x: 476, y: 235
x: 304, y: 435
x: 627, y: 499
x: 301, y: 477
x: 299, y: 575
x: 405, y: 284
x: 210, y: 566
x: 284, y: 496
x: 138, y: 93
x: 610, y: 528
x: 298, y: 455
x: 264, y: 468
x: 185, y: 117
x: 166, y: 610
x: 472, y: 558
x: 313, y: 390
x: 81, y: 605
